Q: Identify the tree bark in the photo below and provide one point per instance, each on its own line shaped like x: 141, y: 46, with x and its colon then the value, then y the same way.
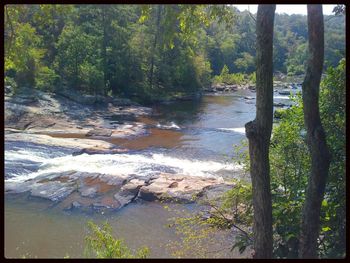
x: 258, y: 133
x: 316, y: 138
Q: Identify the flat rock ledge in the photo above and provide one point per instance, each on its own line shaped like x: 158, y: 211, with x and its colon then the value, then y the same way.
x: 52, y: 114
x: 176, y: 188
x: 74, y: 143
x: 95, y: 192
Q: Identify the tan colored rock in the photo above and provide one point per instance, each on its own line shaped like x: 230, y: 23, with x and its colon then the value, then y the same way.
x: 176, y: 187
x: 63, y: 142
x: 99, y: 132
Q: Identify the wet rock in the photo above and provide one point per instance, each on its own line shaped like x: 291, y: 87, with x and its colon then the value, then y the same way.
x: 54, y: 191
x: 121, y: 102
x: 23, y: 100
x: 76, y: 96
x: 74, y: 205
x: 248, y: 98
x: 213, y: 193
x: 101, y: 151
x: 178, y: 188
x: 222, y: 87
x: 64, y: 142
x: 278, y: 104
x: 107, y: 202
x: 129, y: 192
x: 210, y: 89
x: 13, y: 112
x: 14, y: 187
x: 130, y: 130
x: 219, y: 87
x: 284, y: 92
x: 133, y: 186
x: 99, y: 132
x: 251, y: 87
x: 88, y: 191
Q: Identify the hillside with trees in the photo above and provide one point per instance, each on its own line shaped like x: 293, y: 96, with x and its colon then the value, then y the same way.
x: 184, y: 131
x: 111, y: 50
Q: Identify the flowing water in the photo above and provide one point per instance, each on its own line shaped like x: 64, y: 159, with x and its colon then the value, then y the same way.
x: 191, y: 138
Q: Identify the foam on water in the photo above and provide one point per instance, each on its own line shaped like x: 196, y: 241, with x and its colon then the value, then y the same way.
x: 172, y: 125
x: 27, y: 155
x: 240, y: 130
x: 281, y: 97
x: 123, y: 165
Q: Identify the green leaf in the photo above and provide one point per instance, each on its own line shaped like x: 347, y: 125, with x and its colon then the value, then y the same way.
x: 326, y: 228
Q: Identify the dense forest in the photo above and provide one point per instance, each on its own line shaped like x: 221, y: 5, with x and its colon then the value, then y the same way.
x: 283, y: 197
x: 113, y: 49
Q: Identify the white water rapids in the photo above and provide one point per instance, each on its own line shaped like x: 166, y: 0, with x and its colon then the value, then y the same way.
x: 144, y: 164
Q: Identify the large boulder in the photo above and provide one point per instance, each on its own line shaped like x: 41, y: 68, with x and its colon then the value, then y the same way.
x: 178, y: 188
x: 129, y: 192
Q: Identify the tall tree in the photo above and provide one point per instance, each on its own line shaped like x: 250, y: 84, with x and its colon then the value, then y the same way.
x: 258, y: 133
x: 316, y: 138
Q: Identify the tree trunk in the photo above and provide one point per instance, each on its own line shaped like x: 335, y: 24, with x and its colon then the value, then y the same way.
x: 159, y: 10
x: 258, y: 133
x: 316, y: 138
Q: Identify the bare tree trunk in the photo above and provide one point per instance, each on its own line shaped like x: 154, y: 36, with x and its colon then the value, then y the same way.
x: 316, y: 138
x: 258, y: 133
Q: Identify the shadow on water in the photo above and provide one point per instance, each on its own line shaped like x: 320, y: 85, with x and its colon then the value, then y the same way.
x: 180, y: 112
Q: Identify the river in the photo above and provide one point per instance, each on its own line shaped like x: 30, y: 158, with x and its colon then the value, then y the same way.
x: 196, y: 138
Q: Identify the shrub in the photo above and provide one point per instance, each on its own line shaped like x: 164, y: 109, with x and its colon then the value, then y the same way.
x: 101, y: 244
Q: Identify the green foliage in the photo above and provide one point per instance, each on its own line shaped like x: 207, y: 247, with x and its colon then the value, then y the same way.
x: 234, y: 78
x: 24, y: 57
x: 11, y: 82
x: 148, y: 52
x: 290, y: 166
x: 252, y: 78
x: 76, y: 60
x: 101, y: 244
x: 289, y: 170
x: 246, y: 63
x: 332, y: 105
x: 198, y: 231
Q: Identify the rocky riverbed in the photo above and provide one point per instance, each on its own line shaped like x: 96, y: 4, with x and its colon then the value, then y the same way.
x: 110, y: 133
x: 85, y: 127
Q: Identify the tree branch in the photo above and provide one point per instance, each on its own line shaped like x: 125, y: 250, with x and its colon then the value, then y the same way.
x: 231, y: 222
x: 251, y: 15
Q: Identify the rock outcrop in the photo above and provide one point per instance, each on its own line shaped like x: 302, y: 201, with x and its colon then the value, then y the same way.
x: 179, y: 188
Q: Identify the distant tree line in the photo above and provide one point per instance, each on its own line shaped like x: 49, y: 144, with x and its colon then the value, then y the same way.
x: 112, y: 49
